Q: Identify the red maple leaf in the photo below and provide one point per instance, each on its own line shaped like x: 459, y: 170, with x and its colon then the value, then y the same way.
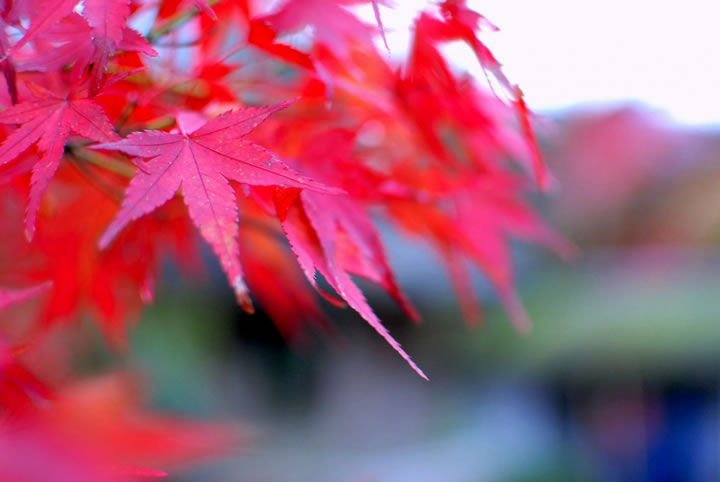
x: 202, y: 159
x: 334, y: 235
x: 62, y: 37
x: 356, y: 242
x: 313, y: 233
x: 107, y: 22
x: 44, y: 14
x: 66, y: 42
x: 70, y: 42
x: 333, y: 25
x: 49, y: 119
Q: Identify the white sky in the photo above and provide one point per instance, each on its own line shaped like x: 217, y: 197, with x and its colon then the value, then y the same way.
x: 566, y: 53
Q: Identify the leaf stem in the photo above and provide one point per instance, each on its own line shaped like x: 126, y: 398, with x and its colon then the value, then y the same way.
x: 95, y: 179
x: 176, y: 21
x: 125, y: 114
x: 106, y: 162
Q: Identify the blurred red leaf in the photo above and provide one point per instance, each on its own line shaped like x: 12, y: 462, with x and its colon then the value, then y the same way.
x: 96, y: 430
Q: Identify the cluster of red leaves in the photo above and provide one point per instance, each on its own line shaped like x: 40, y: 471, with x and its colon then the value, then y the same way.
x: 427, y: 145
x: 89, y: 430
x: 107, y: 132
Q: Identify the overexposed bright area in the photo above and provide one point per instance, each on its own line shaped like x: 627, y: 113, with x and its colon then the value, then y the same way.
x: 567, y: 53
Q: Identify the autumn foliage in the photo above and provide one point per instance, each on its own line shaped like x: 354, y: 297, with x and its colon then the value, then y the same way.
x: 280, y: 132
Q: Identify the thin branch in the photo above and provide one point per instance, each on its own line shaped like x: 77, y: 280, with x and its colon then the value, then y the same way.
x: 101, y: 160
x: 176, y: 21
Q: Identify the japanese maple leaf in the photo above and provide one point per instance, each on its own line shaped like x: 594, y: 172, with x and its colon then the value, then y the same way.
x: 353, y: 238
x: 202, y: 160
x: 70, y: 42
x: 67, y: 41
x: 313, y: 236
x: 49, y: 119
x: 333, y: 25
x: 107, y: 21
x: 62, y: 37
x: 44, y: 14
x: 106, y: 18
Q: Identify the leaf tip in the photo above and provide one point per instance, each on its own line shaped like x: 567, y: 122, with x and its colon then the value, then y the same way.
x: 519, y: 318
x: 105, y: 240
x: 101, y: 146
x: 29, y: 231
x: 242, y: 295
x: 287, y: 103
x: 414, y: 366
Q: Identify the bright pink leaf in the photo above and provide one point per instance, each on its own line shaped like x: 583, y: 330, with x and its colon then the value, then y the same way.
x: 49, y: 120
x: 202, y: 161
x: 47, y: 14
x: 107, y: 21
x: 132, y: 41
x: 312, y: 235
x: 107, y: 18
x: 356, y: 242
x: 66, y: 42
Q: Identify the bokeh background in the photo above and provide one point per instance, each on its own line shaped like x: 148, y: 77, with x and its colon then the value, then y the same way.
x: 620, y: 377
